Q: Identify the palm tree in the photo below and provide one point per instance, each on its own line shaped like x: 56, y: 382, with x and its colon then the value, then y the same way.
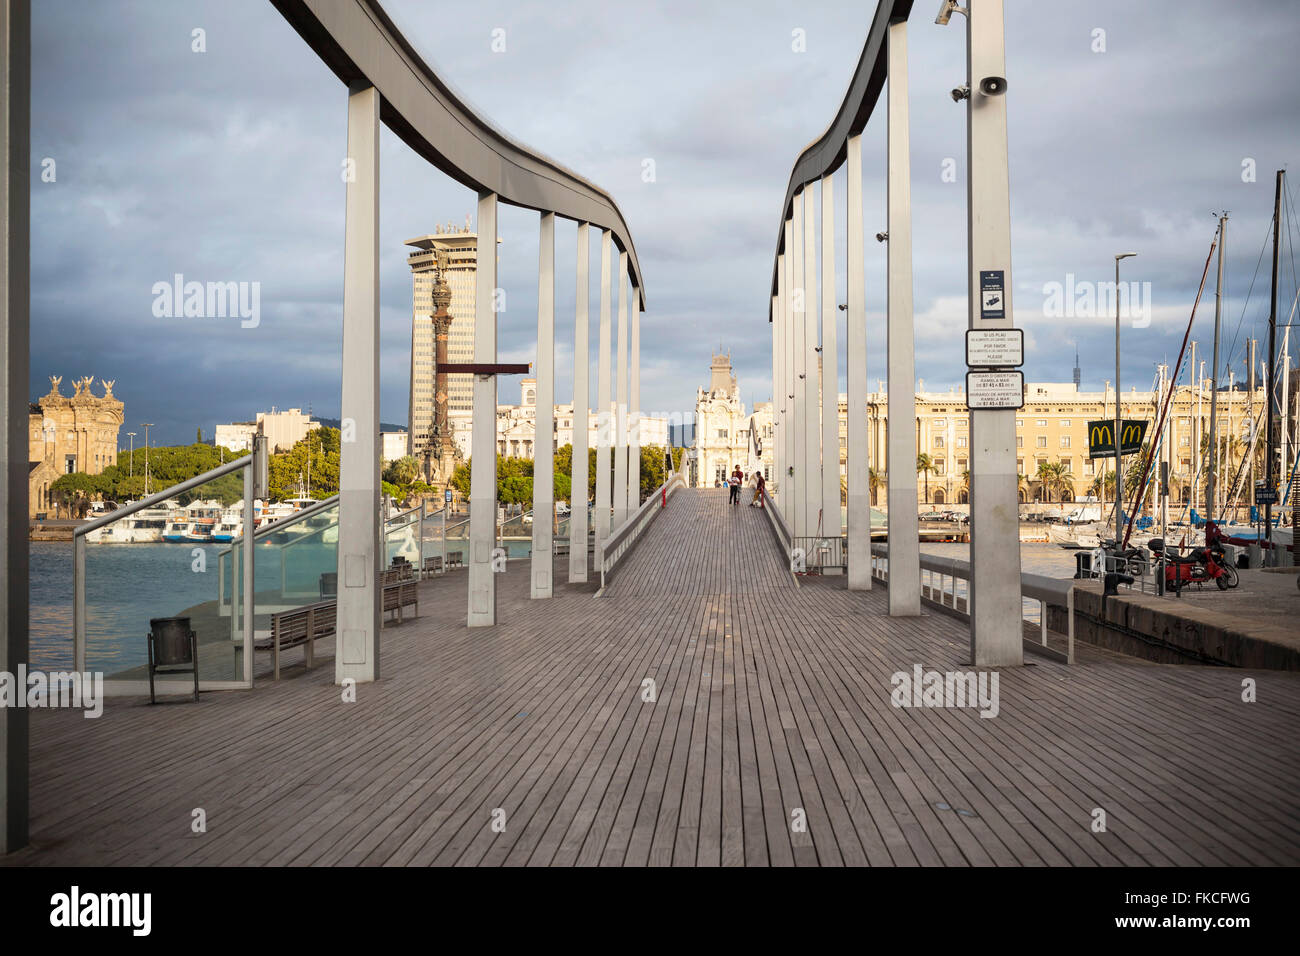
x: 1052, y: 477
x: 1103, y: 486
x: 924, y: 466
x: 965, y: 483
x: 875, y: 481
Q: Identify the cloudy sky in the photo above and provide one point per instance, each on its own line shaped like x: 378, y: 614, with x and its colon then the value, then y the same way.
x: 224, y: 166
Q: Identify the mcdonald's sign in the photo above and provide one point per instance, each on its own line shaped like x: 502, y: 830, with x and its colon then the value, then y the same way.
x: 1101, y: 438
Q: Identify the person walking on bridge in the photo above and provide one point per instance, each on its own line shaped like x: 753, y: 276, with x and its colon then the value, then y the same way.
x: 737, y: 476
x: 760, y: 485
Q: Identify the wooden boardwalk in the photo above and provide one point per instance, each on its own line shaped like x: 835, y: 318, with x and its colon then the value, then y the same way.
x: 772, y: 706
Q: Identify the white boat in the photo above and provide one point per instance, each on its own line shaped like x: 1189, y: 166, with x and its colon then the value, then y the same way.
x: 195, y: 523
x: 231, y: 525
x: 140, y: 528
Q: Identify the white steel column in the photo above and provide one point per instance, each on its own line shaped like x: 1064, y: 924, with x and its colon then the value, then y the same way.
x: 360, y: 548
x: 543, y: 559
x: 776, y: 388
x: 578, y: 472
x: 781, y: 323
x: 603, y: 425
x: 483, y: 436
x: 620, y: 409
x: 904, y: 547
x: 634, y: 409
x: 796, y: 515
x: 830, y: 494
x: 811, y: 382
x: 996, y: 634
x: 855, y: 330
x: 15, y: 371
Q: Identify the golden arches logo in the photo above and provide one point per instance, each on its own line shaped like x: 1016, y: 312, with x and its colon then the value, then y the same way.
x: 1100, y: 436
x: 1132, y: 434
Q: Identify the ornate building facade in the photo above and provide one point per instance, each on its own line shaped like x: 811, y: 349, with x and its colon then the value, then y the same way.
x: 725, y: 432
x: 70, y: 434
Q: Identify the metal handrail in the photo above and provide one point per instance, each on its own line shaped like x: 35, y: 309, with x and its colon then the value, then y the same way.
x: 622, y: 541
x: 1038, y: 587
x: 161, y: 496
x: 782, y: 530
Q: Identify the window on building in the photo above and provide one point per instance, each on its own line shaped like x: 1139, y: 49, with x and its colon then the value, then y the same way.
x: 722, y: 433
x: 1065, y: 423
x: 938, y: 441
x: 1041, y: 423
x: 1042, y: 441
x: 1020, y: 441
x: 1068, y: 465
x: 1065, y: 441
x: 1020, y: 423
x: 961, y: 441
x: 938, y: 466
x: 940, y: 422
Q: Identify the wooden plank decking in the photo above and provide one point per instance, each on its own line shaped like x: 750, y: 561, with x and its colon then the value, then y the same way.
x: 771, y: 698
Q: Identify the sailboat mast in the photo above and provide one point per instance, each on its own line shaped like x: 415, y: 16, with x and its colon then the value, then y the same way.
x: 1210, y: 489
x: 1270, y: 468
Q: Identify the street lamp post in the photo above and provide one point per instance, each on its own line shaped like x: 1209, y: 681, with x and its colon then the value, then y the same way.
x: 1119, y: 455
x: 146, y: 426
x: 131, y: 435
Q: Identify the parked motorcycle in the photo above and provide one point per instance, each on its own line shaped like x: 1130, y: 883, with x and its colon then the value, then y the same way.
x: 1133, y: 561
x: 1198, y: 567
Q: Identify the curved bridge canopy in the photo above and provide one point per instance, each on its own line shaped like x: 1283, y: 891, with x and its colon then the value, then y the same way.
x: 360, y: 43
x: 828, y: 151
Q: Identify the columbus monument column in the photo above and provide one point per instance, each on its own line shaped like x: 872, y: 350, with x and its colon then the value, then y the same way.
x: 444, y: 448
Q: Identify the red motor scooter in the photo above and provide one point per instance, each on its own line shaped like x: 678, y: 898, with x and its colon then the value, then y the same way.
x: 1200, y: 566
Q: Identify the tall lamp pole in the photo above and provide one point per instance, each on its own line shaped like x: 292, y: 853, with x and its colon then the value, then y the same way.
x: 131, y: 435
x: 1119, y: 454
x: 146, y: 426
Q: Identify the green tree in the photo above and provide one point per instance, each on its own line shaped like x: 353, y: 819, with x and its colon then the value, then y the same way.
x: 315, y: 456
x: 402, y: 471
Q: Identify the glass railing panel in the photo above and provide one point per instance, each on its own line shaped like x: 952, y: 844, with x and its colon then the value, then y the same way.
x: 163, y: 563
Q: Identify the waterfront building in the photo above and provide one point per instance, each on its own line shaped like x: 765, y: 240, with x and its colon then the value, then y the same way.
x: 517, y: 426
x: 393, y: 445
x: 723, y: 428
x: 1052, y: 429
x: 70, y: 434
x: 283, y: 430
x: 235, y: 436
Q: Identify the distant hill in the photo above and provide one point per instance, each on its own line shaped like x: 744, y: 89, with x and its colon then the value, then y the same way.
x: 383, y: 426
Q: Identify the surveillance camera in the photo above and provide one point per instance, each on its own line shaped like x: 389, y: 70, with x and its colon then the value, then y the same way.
x: 946, y: 9
x: 993, y: 85
x: 881, y: 236
x: 960, y: 93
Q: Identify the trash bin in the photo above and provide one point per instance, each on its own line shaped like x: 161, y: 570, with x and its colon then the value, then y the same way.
x: 172, y: 644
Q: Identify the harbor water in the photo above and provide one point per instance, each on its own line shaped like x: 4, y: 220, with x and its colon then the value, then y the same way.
x: 127, y: 584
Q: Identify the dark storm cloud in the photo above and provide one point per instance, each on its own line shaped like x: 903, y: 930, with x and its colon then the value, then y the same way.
x: 224, y: 166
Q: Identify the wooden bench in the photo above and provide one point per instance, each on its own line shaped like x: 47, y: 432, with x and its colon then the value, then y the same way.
x: 400, y: 590
x: 433, y: 565
x: 300, y: 626
x: 455, y: 559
